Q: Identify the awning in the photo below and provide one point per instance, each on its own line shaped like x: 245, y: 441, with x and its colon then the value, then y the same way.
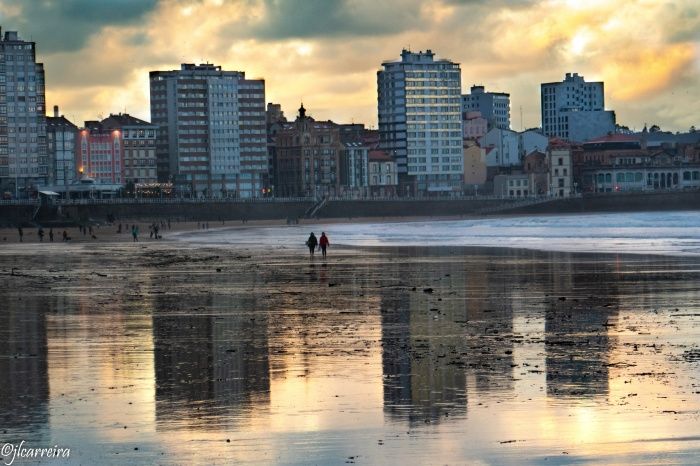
x: 49, y: 193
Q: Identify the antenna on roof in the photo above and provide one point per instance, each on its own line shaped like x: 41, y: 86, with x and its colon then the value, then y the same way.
x: 521, y: 118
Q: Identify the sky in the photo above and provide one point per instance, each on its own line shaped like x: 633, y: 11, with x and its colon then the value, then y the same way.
x: 97, y: 53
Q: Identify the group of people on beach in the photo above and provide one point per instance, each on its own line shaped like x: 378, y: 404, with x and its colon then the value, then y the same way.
x: 322, y: 243
x: 41, y: 233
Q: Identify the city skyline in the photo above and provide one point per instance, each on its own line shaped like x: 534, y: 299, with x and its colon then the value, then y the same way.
x: 326, y: 53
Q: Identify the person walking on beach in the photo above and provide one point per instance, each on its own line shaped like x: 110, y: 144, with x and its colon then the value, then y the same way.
x: 51, y: 235
x: 21, y: 234
x: 323, y: 243
x: 135, y: 233
x: 312, y: 242
x: 40, y: 233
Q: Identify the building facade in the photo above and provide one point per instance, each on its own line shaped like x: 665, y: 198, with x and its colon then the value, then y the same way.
x: 138, y: 145
x: 353, y: 168
x: 574, y: 109
x: 420, y: 121
x: 61, y: 137
x: 628, y: 163
x: 474, y: 167
x: 516, y: 185
x: 535, y: 163
x: 24, y: 161
x: 475, y: 126
x: 120, y: 149
x: 493, y: 106
x: 560, y: 171
x: 383, y: 174
x: 212, y: 130
x: 507, y: 148
x: 308, y: 157
x: 100, y: 154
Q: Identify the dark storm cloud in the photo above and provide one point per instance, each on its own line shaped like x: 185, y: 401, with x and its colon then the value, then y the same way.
x: 335, y: 18
x: 66, y: 25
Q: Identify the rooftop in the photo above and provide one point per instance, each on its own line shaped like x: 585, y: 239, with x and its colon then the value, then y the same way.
x: 123, y: 119
x: 379, y: 156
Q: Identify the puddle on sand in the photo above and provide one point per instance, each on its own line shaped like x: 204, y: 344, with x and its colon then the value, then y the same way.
x: 381, y: 356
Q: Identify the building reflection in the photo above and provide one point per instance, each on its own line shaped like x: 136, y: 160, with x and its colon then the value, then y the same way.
x: 459, y: 340
x: 210, y: 369
x: 577, y: 342
x: 24, y: 392
x: 440, y: 345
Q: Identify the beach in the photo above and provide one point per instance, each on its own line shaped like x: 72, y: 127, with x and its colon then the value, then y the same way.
x: 177, y: 351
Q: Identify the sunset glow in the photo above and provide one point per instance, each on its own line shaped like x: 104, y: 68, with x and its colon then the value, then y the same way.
x: 327, y: 52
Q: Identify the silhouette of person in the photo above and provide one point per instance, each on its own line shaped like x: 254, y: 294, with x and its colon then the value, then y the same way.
x: 323, y: 243
x: 312, y: 242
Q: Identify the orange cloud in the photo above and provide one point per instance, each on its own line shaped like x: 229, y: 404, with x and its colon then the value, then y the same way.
x: 639, y: 47
x: 637, y: 74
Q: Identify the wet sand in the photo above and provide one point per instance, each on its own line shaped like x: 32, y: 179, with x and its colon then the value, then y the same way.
x: 169, y: 353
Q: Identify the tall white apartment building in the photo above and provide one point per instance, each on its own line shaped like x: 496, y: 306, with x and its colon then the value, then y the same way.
x: 24, y: 162
x: 212, y: 134
x: 574, y: 109
x: 494, y: 106
x: 420, y: 121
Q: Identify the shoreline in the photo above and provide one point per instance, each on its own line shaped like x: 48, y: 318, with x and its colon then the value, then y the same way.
x: 223, y: 234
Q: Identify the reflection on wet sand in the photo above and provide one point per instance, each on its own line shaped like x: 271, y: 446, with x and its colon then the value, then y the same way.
x: 209, y: 370
x: 441, y: 355
x: 24, y: 390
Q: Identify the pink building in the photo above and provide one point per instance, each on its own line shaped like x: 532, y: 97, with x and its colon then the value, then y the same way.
x: 475, y: 125
x: 100, y: 154
x: 118, y: 150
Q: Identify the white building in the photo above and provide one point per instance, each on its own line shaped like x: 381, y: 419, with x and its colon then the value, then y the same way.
x: 24, y: 162
x: 574, y: 109
x: 508, y: 148
x: 353, y: 167
x: 420, y: 121
x: 517, y: 185
x: 560, y: 172
x: 502, y: 146
x: 494, y: 106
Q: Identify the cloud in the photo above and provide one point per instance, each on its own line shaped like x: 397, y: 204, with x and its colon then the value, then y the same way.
x: 335, y: 18
x: 327, y: 52
x: 66, y: 25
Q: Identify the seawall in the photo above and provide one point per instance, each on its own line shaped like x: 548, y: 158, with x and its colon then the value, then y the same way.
x: 11, y: 215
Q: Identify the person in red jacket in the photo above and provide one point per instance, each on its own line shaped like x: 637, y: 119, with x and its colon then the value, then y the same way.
x: 323, y: 242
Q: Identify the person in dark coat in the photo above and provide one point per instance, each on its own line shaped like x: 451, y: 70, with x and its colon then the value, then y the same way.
x: 323, y: 243
x: 312, y: 242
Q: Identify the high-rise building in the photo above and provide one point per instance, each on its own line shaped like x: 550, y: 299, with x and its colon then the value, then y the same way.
x: 24, y: 162
x: 212, y: 130
x: 420, y: 121
x: 574, y: 109
x: 61, y: 136
x: 494, y: 106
